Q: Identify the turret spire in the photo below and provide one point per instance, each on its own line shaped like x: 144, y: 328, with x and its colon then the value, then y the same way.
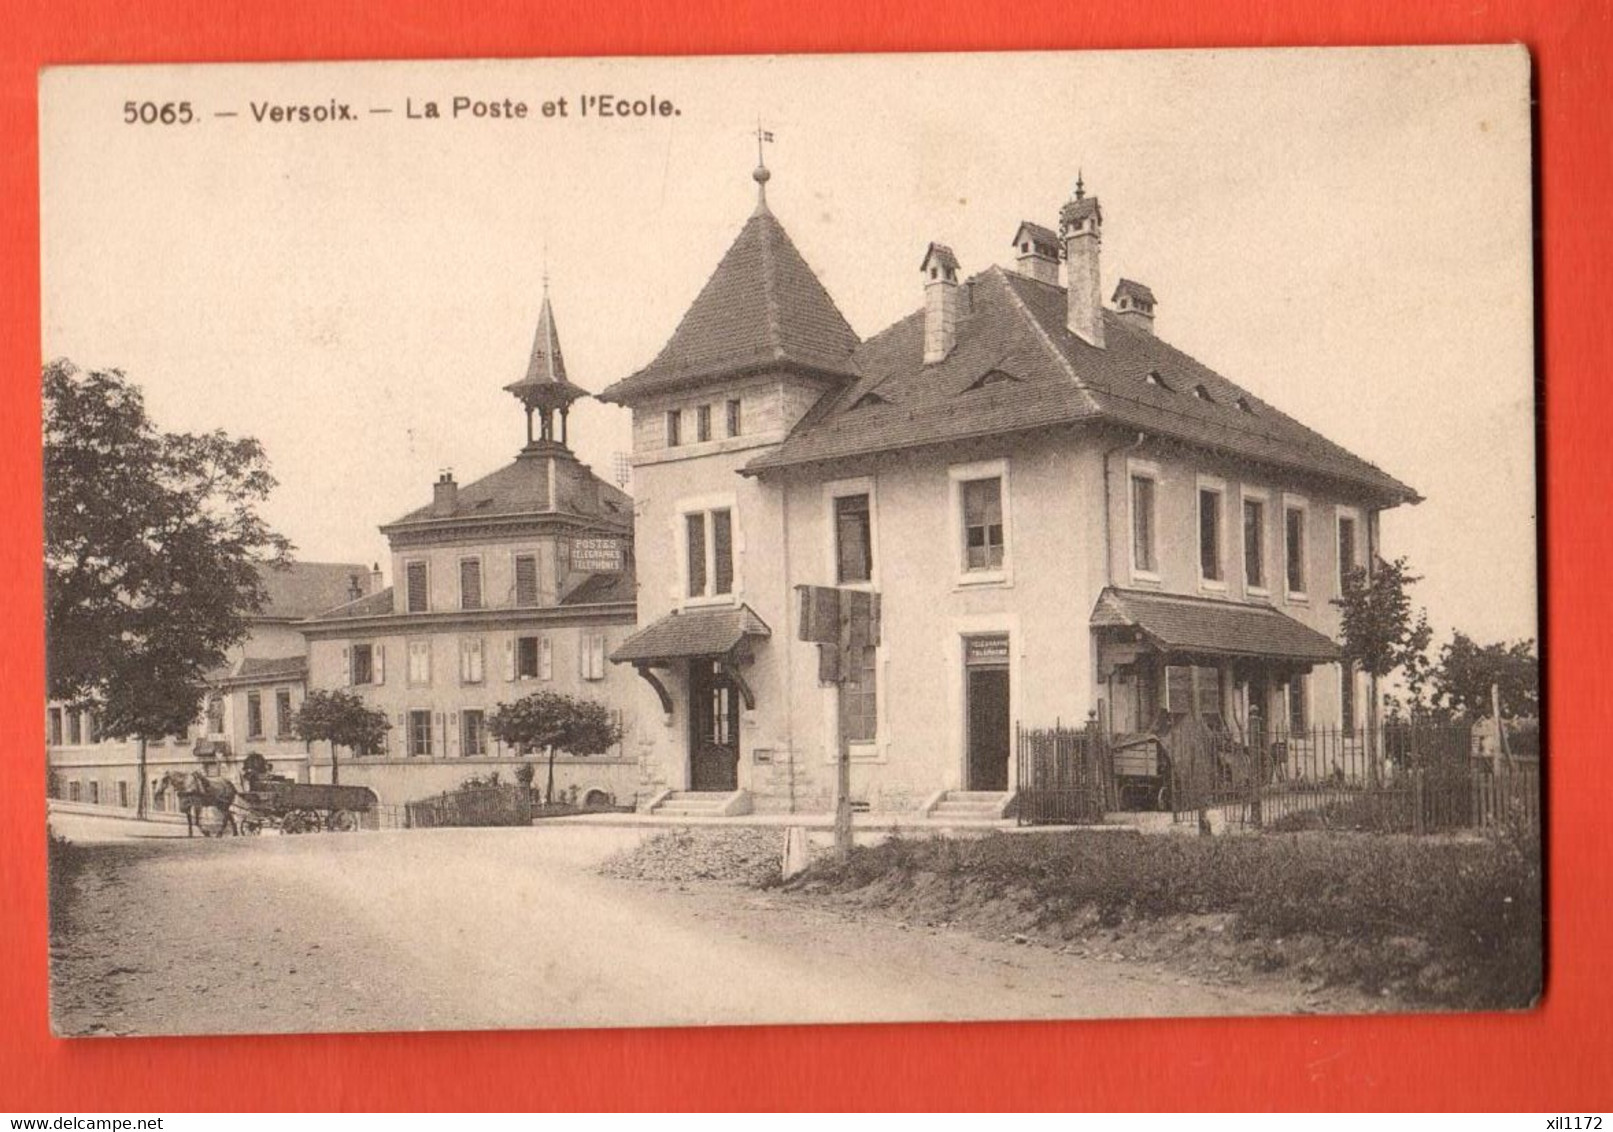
x: 761, y: 175
x: 545, y: 390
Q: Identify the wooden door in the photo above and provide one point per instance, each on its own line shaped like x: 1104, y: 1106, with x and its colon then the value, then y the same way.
x: 713, y: 729
x: 990, y: 728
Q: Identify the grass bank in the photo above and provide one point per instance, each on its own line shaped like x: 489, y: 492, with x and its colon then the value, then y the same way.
x: 1441, y: 923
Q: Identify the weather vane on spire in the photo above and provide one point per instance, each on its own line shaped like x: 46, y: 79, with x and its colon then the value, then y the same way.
x: 1080, y: 186
x: 761, y: 174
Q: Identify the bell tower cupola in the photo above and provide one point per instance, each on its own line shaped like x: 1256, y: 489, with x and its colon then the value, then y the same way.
x: 545, y: 392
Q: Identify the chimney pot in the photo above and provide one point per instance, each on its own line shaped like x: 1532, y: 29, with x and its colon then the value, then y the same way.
x: 445, y: 495
x: 1081, y: 228
x: 1038, y: 252
x: 1134, y: 303
x: 942, y: 302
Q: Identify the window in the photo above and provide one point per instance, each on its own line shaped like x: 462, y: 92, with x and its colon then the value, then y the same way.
x: 526, y: 579
x: 75, y: 729
x: 215, y: 714
x: 1210, y: 569
x: 1144, y: 551
x: 983, y: 546
x: 123, y: 793
x: 702, y: 423
x: 1299, y: 715
x: 73, y: 791
x: 369, y: 664
x: 254, y: 715
x: 1347, y: 558
x: 1294, y: 542
x: 420, y: 734
x: 859, y: 721
x: 470, y: 583
x: 53, y: 727
x: 419, y: 598
x: 674, y: 428
x: 1194, y: 689
x: 534, y: 658
x: 591, y: 656
x: 709, y: 552
x: 1347, y: 698
x: 733, y: 417
x: 420, y: 662
x: 472, y: 734
x: 472, y: 666
x: 282, y: 713
x: 92, y: 727
x: 1254, y: 544
x: 854, y: 547
x: 95, y: 791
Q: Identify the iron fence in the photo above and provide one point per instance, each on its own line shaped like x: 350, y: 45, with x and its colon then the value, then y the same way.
x: 1066, y: 776
x: 1404, y: 778
x: 472, y: 806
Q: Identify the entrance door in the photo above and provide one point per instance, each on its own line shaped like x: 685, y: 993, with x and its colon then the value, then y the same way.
x: 989, y: 728
x: 713, y: 728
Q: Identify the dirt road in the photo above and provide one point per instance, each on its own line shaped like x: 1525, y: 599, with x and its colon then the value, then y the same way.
x: 472, y: 929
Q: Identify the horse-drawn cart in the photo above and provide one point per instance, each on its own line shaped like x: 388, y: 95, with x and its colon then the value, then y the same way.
x: 303, y: 807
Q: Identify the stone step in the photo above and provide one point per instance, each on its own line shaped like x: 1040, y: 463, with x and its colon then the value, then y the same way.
x: 993, y: 796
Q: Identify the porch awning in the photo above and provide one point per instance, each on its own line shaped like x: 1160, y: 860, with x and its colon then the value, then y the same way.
x: 690, y: 634
x: 1172, y: 623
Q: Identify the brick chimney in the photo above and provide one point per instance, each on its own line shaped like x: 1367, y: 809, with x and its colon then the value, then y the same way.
x: 1038, y: 252
x: 1134, y: 303
x: 942, y: 302
x: 375, y: 578
x: 355, y: 586
x: 1081, y: 229
x: 444, y: 495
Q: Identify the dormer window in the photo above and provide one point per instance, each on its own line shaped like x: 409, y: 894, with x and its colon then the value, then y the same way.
x: 867, y: 399
x: 1203, y: 394
x: 1243, y: 404
x: 991, y: 377
x: 1155, y: 378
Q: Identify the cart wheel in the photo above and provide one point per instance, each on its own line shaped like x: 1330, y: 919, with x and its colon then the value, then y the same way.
x: 341, y: 821
x: 300, y: 821
x: 251, y: 827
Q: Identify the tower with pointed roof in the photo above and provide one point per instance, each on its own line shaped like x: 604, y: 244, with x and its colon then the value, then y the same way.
x: 518, y: 581
x: 545, y: 392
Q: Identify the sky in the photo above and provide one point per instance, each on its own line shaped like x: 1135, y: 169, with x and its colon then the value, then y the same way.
x: 1345, y: 233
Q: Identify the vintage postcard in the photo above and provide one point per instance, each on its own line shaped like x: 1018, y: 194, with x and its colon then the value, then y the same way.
x: 659, y: 542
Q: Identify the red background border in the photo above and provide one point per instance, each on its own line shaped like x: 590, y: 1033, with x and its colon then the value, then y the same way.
x: 1555, y: 1058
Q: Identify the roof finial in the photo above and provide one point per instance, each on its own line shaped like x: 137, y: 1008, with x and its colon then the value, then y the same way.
x: 761, y: 174
x: 546, y: 269
x: 1080, y: 185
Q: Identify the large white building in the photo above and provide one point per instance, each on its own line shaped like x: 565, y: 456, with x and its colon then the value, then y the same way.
x: 1064, y: 515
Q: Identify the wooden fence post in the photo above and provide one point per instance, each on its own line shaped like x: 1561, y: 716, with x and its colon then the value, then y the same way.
x: 1418, y: 826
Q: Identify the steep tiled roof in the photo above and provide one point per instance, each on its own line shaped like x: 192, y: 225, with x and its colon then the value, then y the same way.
x: 762, y: 307
x: 601, y: 589
x: 307, y: 588
x: 691, y: 633
x: 522, y: 487
x: 1017, y: 325
x: 271, y: 668
x: 371, y: 605
x: 1208, y: 626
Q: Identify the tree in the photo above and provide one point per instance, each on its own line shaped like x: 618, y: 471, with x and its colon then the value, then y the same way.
x: 1466, y: 670
x: 153, y: 551
x: 1381, y: 635
x: 553, y: 721
x: 341, y: 719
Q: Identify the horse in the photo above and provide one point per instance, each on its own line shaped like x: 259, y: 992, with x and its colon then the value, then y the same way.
x: 196, y: 793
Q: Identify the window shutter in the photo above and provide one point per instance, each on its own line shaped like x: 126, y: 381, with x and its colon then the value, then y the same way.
x: 380, y: 664
x: 347, y: 666
x: 545, y: 658
x: 509, y: 658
